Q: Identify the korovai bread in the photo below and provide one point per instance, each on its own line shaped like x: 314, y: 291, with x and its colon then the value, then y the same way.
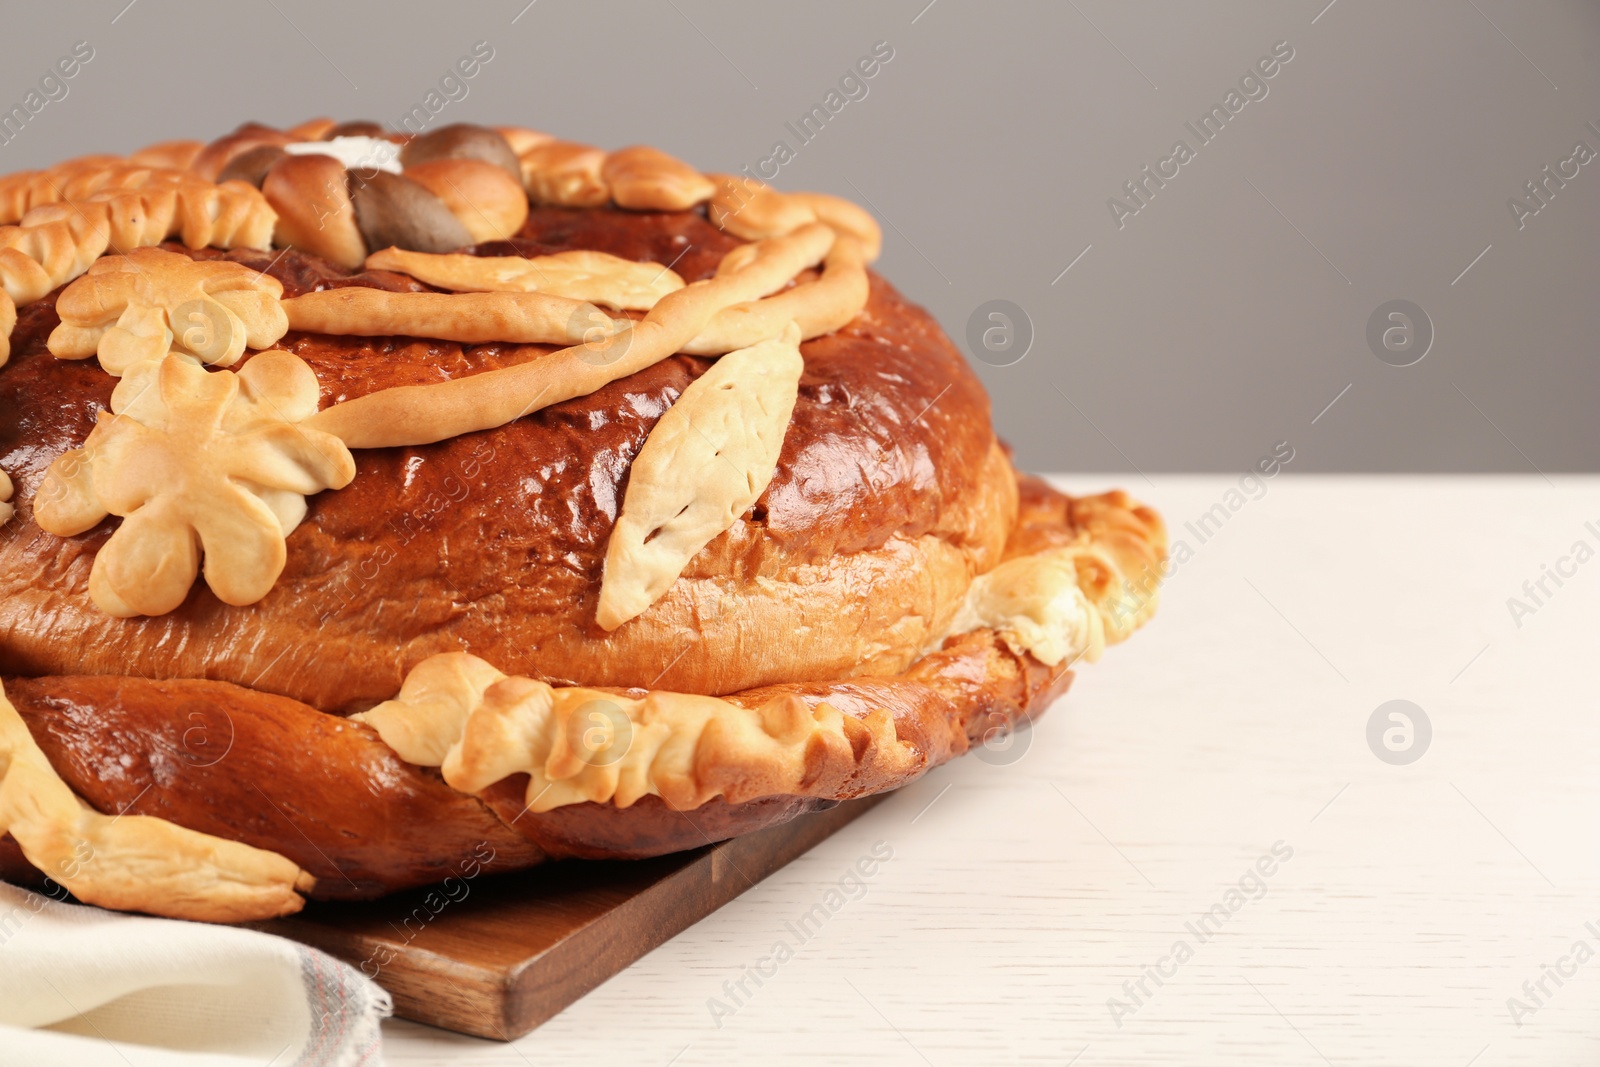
x: 605, y: 509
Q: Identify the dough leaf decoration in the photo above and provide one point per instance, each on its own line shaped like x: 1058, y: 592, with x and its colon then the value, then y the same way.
x: 707, y: 460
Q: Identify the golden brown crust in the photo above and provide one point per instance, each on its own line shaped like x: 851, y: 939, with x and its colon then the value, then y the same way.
x: 133, y: 861
x: 268, y: 772
x: 311, y: 195
x: 194, y: 462
x: 328, y: 795
x: 820, y: 611
x: 1123, y: 547
x: 178, y: 155
x: 488, y: 201
x: 863, y: 498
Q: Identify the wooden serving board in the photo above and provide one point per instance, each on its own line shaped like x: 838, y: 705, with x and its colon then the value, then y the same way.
x: 498, y: 955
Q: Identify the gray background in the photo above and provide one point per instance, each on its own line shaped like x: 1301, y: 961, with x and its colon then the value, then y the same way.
x: 1222, y: 319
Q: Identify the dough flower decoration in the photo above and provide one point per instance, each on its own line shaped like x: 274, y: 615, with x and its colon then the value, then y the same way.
x: 136, y: 307
x: 198, y: 464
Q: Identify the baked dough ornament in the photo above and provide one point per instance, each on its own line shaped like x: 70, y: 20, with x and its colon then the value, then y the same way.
x: 707, y: 460
x: 133, y: 861
x: 423, y: 414
x: 842, y: 584
x: 140, y: 306
x: 576, y: 744
x: 198, y: 464
x: 582, y: 275
x: 57, y: 240
x: 352, y: 189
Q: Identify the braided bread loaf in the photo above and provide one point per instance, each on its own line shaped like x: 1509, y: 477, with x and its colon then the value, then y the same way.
x: 357, y: 813
x: 58, y: 240
x: 659, y: 519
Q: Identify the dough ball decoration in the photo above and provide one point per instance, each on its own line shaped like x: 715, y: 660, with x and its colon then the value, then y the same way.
x: 209, y: 469
x: 356, y: 189
x: 199, y: 465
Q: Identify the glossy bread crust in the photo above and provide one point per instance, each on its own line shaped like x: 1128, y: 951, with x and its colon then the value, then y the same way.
x: 890, y: 495
x: 328, y: 794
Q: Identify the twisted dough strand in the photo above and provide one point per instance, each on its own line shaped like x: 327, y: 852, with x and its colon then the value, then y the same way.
x: 422, y: 414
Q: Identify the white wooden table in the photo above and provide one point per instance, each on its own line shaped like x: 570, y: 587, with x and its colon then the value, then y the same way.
x: 1021, y: 896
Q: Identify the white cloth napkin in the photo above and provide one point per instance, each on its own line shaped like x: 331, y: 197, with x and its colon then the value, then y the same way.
x: 84, y: 986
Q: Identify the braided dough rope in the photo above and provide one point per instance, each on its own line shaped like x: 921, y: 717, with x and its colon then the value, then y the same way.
x: 230, y: 215
x: 79, y: 179
x: 179, y: 155
x: 503, y: 311
x: 57, y: 242
x: 752, y: 210
x: 133, y: 861
x: 35, y: 259
x: 26, y: 189
x: 818, y: 307
x: 645, y: 179
x: 422, y: 414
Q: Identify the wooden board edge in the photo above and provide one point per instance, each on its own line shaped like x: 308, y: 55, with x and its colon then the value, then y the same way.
x: 720, y: 875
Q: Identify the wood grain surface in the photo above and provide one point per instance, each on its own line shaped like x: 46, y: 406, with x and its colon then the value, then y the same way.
x: 497, y: 957
x: 1022, y: 895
